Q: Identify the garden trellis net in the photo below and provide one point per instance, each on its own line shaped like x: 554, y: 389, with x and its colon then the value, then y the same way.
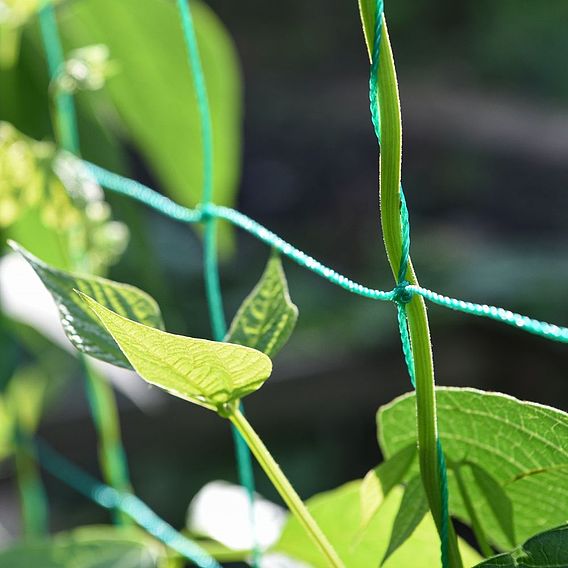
x: 208, y: 214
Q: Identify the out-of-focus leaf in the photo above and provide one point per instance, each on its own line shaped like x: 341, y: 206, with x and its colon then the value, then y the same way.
x: 413, y: 507
x: 378, y: 483
x: 81, y: 326
x: 267, y: 316
x: 545, y: 550
x: 69, y: 202
x: 87, y: 547
x: 523, y: 446
x: 13, y: 15
x: 208, y: 373
x: 338, y: 512
x: 153, y: 89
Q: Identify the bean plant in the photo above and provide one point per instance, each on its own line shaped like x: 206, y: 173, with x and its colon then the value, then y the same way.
x: 494, y: 463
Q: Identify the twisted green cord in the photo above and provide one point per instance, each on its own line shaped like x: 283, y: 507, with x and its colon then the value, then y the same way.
x: 109, y: 498
x: 403, y: 293
x: 210, y: 260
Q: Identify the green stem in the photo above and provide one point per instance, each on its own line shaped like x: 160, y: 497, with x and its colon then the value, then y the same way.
x: 284, y: 488
x: 102, y: 402
x: 390, y: 175
x: 112, y: 458
x: 478, y: 531
x: 32, y: 493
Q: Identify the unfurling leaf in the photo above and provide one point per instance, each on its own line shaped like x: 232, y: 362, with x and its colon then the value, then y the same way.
x: 497, y: 500
x: 378, y: 483
x: 81, y: 326
x: 413, y: 507
x: 267, y: 316
x: 207, y: 373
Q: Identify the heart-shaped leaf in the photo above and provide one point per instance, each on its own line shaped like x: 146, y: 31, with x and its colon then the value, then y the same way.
x: 545, y: 550
x: 79, y: 323
x: 267, y: 316
x: 208, y: 373
x: 522, y: 446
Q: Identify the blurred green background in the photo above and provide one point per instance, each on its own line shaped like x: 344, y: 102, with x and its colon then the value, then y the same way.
x: 484, y: 94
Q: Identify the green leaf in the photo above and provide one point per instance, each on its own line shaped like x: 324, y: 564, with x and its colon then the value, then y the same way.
x: 338, y: 513
x: 523, y: 446
x: 413, y: 507
x: 545, y: 550
x: 204, y: 372
x: 153, y: 90
x: 267, y: 316
x: 87, y: 547
x: 378, y: 483
x: 80, y: 325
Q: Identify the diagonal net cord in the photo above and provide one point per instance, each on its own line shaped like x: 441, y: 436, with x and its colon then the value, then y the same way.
x: 210, y: 258
x: 109, y: 498
x: 169, y: 208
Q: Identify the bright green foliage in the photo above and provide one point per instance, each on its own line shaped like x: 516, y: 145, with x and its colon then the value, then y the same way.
x: 79, y: 323
x: 522, y: 447
x: 378, y: 483
x: 338, y: 512
x: 88, y: 547
x: 153, y: 90
x: 545, y: 550
x: 207, y: 373
x: 413, y: 507
x: 56, y: 186
x: 86, y: 69
x: 267, y: 316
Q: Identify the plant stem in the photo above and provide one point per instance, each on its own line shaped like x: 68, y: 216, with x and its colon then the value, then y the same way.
x: 390, y: 176
x: 478, y: 531
x: 102, y: 402
x: 31, y: 489
x: 284, y: 488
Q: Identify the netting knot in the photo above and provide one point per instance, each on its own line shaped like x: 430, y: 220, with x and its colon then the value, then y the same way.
x: 206, y: 211
x: 402, y: 294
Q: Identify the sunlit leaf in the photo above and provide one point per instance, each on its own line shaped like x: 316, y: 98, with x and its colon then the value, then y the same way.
x: 81, y: 326
x: 208, y: 373
x: 545, y: 550
x: 338, y: 513
x: 267, y: 316
x: 523, y: 447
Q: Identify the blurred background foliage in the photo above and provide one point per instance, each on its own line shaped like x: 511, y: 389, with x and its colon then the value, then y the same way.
x: 484, y: 97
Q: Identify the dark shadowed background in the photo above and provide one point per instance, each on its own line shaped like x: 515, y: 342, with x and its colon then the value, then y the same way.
x: 484, y: 94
